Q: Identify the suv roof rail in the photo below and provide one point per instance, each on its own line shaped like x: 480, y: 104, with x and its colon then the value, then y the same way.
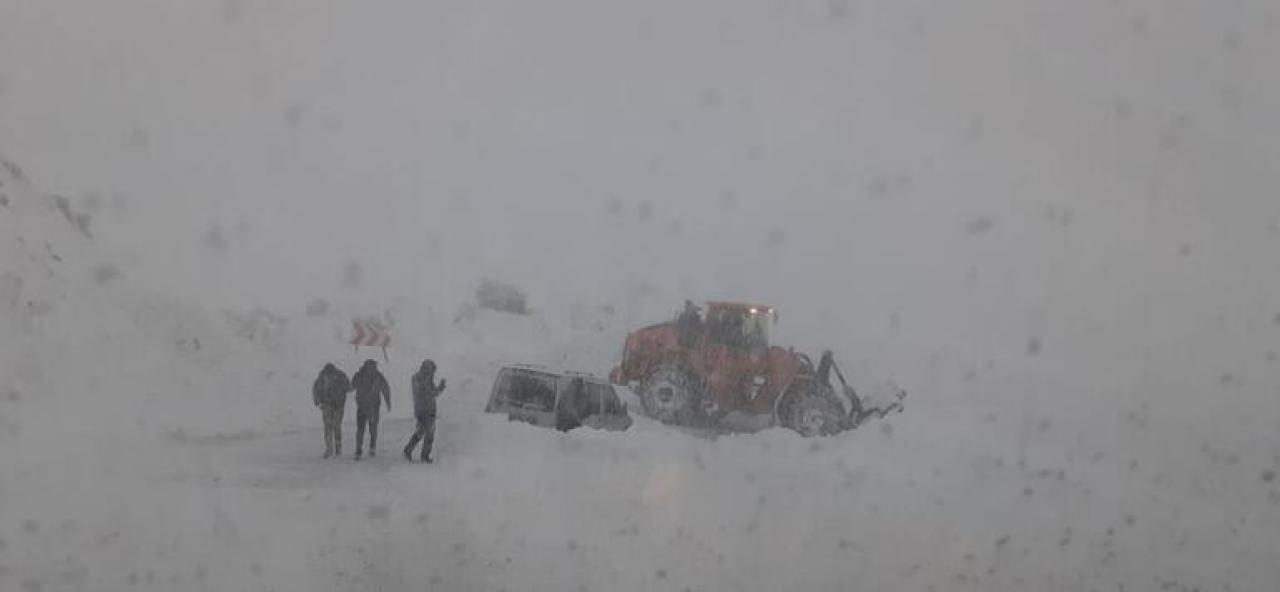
x: 555, y: 371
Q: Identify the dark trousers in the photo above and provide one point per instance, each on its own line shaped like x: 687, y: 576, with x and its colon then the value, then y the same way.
x: 332, y: 415
x: 367, y: 416
x: 426, y: 432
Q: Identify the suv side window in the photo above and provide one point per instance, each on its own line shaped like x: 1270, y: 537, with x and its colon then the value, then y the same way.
x: 595, y: 392
x: 578, y: 398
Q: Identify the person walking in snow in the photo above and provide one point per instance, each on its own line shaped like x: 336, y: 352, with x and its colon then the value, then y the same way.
x: 425, y: 391
x: 329, y: 393
x: 371, y: 389
x: 687, y: 324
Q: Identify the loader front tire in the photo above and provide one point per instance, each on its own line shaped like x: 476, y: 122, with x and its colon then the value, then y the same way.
x: 670, y: 395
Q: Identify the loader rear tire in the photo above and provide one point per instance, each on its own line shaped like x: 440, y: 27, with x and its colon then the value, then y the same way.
x: 811, y: 413
x: 670, y: 395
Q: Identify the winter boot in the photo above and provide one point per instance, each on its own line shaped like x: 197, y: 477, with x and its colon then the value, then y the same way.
x: 328, y: 453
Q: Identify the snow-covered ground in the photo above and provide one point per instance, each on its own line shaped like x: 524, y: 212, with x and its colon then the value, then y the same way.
x: 182, y: 453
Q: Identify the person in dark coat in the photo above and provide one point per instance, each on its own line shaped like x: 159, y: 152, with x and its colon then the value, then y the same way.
x: 425, y: 391
x: 371, y: 389
x: 329, y: 393
x: 687, y: 324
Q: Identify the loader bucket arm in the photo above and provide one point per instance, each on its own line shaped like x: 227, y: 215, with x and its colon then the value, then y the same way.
x: 858, y: 411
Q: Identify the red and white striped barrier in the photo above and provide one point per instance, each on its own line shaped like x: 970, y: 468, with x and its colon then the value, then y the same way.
x: 371, y: 333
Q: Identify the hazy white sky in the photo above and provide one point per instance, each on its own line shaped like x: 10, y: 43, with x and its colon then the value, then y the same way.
x: 1100, y: 175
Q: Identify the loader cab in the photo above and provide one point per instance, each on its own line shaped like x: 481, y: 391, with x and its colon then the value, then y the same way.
x: 739, y: 326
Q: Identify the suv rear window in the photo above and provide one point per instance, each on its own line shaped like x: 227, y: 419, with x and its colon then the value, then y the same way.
x: 530, y: 390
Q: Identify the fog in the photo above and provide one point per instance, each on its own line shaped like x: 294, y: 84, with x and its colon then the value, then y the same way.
x: 1051, y: 223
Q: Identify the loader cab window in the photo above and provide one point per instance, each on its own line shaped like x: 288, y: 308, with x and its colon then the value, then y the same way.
x: 726, y: 327
x: 740, y: 329
x: 755, y: 330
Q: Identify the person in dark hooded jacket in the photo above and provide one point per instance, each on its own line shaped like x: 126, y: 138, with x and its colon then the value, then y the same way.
x: 329, y: 393
x: 425, y: 391
x: 371, y: 389
x: 687, y: 324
